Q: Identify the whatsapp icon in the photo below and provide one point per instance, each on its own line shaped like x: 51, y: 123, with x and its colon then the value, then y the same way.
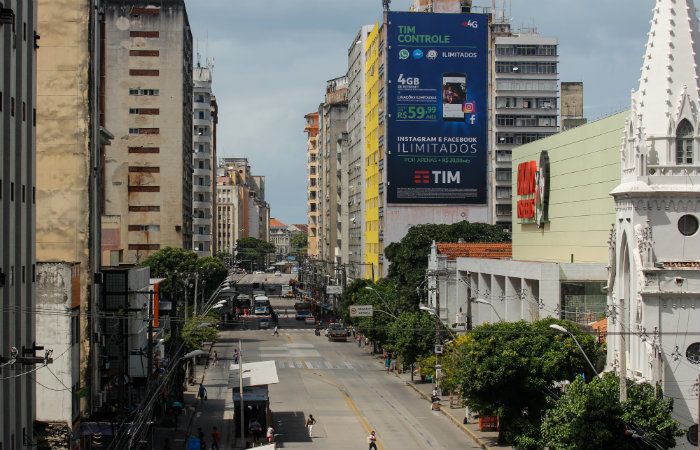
x: 403, y: 54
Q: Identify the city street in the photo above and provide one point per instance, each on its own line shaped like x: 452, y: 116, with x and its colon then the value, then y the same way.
x: 345, y: 388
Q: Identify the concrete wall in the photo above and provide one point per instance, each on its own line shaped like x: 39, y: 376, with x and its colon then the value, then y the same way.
x: 584, y: 168
x: 55, y: 330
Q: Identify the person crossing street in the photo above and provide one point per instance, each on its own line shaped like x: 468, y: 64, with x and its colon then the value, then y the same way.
x: 372, y: 441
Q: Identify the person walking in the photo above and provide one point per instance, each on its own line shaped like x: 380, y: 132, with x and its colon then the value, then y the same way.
x: 255, y: 429
x: 235, y: 356
x: 275, y: 333
x: 310, y: 422
x: 215, y: 437
x: 372, y: 440
x: 202, y: 393
x: 270, y: 434
x: 202, y: 442
x: 216, y: 358
x: 387, y: 361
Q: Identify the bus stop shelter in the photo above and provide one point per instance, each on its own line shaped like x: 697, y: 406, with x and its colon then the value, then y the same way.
x: 256, y: 378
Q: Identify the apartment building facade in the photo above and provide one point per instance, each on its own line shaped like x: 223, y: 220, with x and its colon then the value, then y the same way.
x: 312, y: 185
x: 148, y: 105
x: 525, y: 93
x: 203, y: 163
x: 18, y: 22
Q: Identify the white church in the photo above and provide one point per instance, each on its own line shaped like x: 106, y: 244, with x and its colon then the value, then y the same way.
x: 654, y: 268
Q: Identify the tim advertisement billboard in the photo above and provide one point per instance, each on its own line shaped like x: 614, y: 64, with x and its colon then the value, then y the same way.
x: 436, y: 135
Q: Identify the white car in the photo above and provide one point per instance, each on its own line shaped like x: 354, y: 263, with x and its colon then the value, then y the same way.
x: 310, y: 319
x: 278, y: 274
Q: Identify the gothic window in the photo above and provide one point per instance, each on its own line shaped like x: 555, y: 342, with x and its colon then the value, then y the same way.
x: 684, y: 143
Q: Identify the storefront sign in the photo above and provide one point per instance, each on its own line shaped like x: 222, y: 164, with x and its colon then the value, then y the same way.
x: 533, y: 188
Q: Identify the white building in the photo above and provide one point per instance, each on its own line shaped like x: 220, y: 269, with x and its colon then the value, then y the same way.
x: 655, y: 260
x: 203, y: 163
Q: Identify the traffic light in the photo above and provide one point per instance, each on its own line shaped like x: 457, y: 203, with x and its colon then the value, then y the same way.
x: 291, y: 283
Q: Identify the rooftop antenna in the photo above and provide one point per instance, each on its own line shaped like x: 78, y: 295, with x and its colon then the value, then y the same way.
x: 199, y: 57
x: 385, y: 4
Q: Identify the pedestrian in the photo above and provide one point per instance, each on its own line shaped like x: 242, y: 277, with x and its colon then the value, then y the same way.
x: 215, y: 439
x: 255, y: 428
x: 216, y: 358
x: 393, y: 362
x: 275, y: 333
x: 387, y: 362
x: 166, y: 444
x: 202, y: 393
x: 366, y: 341
x: 235, y: 356
x: 359, y: 340
x: 372, y: 441
x: 202, y: 442
x: 270, y: 434
x: 310, y: 422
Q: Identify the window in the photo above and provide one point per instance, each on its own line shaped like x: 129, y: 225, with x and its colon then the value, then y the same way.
x: 547, y: 50
x: 505, y: 138
x: 200, y: 98
x: 503, y: 174
x: 505, y: 66
x: 503, y: 156
x: 505, y: 50
x: 688, y: 225
x: 504, y: 192
x: 504, y: 210
x: 684, y: 143
x: 201, y: 114
x: 506, y: 121
x: 133, y: 110
x: 153, y: 92
x: 526, y: 50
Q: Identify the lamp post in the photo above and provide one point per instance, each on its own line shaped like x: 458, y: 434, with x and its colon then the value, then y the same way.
x: 561, y: 329
x: 484, y: 302
x: 386, y: 305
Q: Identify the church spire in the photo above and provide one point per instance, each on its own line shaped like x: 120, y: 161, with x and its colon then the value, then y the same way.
x: 670, y: 67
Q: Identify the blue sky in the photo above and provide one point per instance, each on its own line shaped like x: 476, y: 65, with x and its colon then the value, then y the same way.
x: 273, y: 57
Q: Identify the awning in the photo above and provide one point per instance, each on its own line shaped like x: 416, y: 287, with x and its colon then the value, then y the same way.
x: 254, y: 374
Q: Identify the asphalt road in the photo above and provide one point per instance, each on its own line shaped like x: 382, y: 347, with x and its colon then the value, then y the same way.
x: 345, y: 388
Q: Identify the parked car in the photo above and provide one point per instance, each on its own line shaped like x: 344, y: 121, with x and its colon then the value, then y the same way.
x: 278, y: 274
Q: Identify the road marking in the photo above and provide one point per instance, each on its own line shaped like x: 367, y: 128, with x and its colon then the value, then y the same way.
x: 348, y: 400
x: 348, y: 365
x: 328, y: 365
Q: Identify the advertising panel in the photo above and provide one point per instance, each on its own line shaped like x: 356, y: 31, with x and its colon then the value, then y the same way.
x: 533, y: 191
x: 437, y: 91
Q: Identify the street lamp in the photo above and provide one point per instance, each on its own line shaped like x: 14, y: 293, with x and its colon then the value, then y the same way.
x: 484, y: 302
x: 561, y: 329
x: 382, y: 299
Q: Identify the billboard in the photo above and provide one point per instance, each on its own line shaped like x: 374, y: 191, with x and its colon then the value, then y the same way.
x: 436, y: 101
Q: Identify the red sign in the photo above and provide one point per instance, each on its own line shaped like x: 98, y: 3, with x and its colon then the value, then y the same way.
x: 526, y: 186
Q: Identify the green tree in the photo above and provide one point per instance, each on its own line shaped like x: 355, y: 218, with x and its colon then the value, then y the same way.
x: 409, y: 256
x: 300, y: 243
x: 508, y: 368
x: 412, y: 335
x: 173, y: 264
x: 590, y: 417
x: 193, y: 335
x: 254, y: 250
x: 212, y: 272
x: 375, y: 327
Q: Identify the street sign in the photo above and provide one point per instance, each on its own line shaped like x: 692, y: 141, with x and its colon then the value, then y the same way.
x: 438, y: 349
x: 361, y: 311
x: 334, y: 290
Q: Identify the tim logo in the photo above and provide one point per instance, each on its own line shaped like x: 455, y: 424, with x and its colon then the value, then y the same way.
x: 436, y: 177
x: 468, y: 107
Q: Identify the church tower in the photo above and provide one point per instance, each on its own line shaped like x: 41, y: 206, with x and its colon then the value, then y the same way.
x: 654, y: 283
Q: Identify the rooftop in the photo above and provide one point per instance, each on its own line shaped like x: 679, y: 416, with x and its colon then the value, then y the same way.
x: 490, y: 250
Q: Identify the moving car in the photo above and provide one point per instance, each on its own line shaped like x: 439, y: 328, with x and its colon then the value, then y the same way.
x: 310, y: 319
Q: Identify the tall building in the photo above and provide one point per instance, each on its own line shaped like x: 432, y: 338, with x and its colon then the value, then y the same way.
x: 332, y: 122
x: 571, y: 105
x: 525, y: 92
x: 203, y: 163
x: 148, y: 106
x: 69, y: 197
x: 654, y: 261
x: 312, y: 185
x: 18, y: 41
x: 353, y: 244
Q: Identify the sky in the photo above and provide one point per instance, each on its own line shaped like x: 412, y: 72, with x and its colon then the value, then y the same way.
x: 272, y: 59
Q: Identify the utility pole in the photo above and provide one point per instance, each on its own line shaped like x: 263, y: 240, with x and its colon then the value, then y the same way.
x: 240, y: 391
x: 437, y: 331
x: 196, y: 282
x: 149, y: 344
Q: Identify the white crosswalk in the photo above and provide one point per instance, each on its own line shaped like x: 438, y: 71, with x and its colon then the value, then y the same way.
x: 324, y: 365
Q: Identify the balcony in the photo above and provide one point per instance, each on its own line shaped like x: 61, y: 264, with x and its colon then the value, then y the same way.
x: 202, y: 172
x: 201, y: 221
x: 201, y: 237
x: 201, y: 188
x: 201, y: 205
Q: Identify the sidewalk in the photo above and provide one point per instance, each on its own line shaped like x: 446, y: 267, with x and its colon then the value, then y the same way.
x: 216, y: 411
x: 486, y: 439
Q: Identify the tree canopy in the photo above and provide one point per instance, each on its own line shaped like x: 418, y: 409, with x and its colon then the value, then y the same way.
x: 300, y: 242
x: 253, y: 249
x: 508, y: 368
x: 590, y: 417
x: 409, y: 256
